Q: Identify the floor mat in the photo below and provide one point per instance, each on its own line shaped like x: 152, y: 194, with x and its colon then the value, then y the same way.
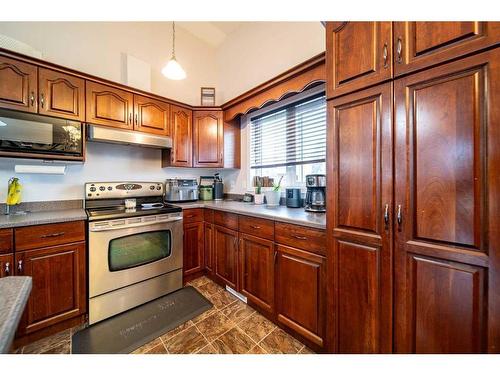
x: 130, y: 330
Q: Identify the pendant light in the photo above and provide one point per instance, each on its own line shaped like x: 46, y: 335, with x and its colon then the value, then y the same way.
x: 173, y: 70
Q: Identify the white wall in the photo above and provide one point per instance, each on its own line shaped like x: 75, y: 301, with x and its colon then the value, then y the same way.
x: 105, y: 162
x: 259, y: 51
x: 96, y: 48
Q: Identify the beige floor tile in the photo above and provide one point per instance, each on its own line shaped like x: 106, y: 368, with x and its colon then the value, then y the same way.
x: 215, y: 325
x: 256, y: 326
x: 147, y: 347
x: 167, y: 336
x: 209, y: 288
x: 62, y: 348
x: 48, y: 343
x: 256, y: 350
x: 203, y: 316
x: 199, y: 281
x: 278, y: 341
x: 237, y: 311
x: 158, y: 349
x: 222, y: 299
x: 234, y: 341
x: 188, y: 341
x: 208, y: 349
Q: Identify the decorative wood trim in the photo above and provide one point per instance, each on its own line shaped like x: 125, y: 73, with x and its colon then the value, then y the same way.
x: 294, y: 80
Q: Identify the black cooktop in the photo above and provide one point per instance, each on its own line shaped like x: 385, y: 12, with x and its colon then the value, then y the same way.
x: 118, y: 212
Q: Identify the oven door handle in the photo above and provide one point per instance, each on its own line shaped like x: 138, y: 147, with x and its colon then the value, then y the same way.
x: 92, y: 228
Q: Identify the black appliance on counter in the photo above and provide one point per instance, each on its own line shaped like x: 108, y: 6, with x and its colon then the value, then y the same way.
x: 315, y: 195
x: 293, y: 198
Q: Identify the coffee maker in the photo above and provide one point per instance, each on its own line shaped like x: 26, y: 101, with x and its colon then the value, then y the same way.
x: 315, y: 195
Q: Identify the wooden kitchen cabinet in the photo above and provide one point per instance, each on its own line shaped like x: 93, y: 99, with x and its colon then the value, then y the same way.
x: 193, y: 248
x: 6, y: 240
x: 360, y: 228
x: 109, y: 106
x: 447, y: 242
x: 18, y: 85
x: 180, y: 155
x: 151, y: 115
x: 208, y: 139
x: 59, y: 285
x: 358, y: 55
x: 257, y: 257
x: 226, y: 256
x: 419, y: 45
x: 61, y: 95
x: 6, y: 265
x: 300, y: 293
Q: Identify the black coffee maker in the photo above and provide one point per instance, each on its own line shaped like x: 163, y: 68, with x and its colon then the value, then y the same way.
x: 315, y: 195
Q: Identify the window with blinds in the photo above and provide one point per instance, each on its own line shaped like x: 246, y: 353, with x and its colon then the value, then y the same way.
x: 289, y: 136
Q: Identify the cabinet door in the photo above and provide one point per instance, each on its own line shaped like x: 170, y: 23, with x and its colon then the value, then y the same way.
x: 208, y: 139
x: 61, y: 95
x: 181, y: 152
x: 209, y: 241
x: 257, y: 271
x: 193, y: 248
x: 226, y: 255
x: 151, y: 115
x: 300, y: 292
x: 18, y: 85
x: 419, y: 45
x: 359, y: 223
x: 358, y: 55
x: 6, y: 265
x: 59, y: 285
x: 447, y: 190
x: 109, y: 106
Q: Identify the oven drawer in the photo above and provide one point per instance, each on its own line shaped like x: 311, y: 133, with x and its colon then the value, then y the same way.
x: 313, y: 240
x: 38, y: 236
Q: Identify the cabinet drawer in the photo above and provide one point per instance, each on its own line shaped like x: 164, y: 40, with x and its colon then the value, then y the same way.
x: 309, y: 239
x: 6, y: 241
x: 226, y: 219
x: 192, y: 215
x: 258, y: 227
x: 208, y: 215
x: 38, y: 236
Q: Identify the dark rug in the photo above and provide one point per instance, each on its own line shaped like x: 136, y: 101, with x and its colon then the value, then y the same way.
x: 130, y: 330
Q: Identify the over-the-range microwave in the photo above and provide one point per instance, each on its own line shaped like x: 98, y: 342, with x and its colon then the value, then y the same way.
x: 32, y: 135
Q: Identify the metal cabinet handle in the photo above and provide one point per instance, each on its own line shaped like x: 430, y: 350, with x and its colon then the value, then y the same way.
x: 136, y: 119
x: 42, y: 99
x: 275, y: 256
x: 385, y: 55
x: 59, y: 234
x: 399, y: 50
x: 299, y: 237
x: 254, y: 226
x: 399, y: 215
x: 20, y: 266
x: 386, y: 216
x: 7, y: 268
x: 32, y: 98
x: 130, y: 118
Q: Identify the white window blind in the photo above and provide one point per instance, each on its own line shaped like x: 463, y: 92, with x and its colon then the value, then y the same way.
x: 292, y: 135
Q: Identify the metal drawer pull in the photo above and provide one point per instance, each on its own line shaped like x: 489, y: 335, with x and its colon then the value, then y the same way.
x: 20, y: 266
x: 42, y: 99
x: 53, y: 235
x: 385, y: 54
x: 32, y: 98
x: 399, y: 50
x: 7, y: 268
x: 136, y: 119
x: 399, y: 215
x: 386, y: 216
x: 299, y: 237
x: 130, y: 118
x: 255, y: 226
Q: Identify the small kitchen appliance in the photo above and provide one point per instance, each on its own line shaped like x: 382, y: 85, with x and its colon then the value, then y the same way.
x: 206, y: 188
x: 315, y: 195
x: 218, y: 188
x: 181, y: 190
x: 135, y: 254
x: 293, y: 198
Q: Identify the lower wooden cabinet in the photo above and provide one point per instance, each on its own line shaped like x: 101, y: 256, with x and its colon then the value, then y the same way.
x: 257, y: 271
x: 6, y: 264
x: 300, y: 292
x: 193, y: 248
x: 209, y: 247
x: 59, y: 285
x: 226, y: 256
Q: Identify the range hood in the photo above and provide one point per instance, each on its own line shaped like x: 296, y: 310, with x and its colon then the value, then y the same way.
x: 127, y: 137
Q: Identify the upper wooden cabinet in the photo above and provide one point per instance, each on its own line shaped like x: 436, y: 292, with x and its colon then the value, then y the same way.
x: 180, y: 155
x: 208, y: 139
x: 109, y: 106
x: 358, y: 55
x: 419, y: 45
x: 18, y: 85
x: 61, y: 95
x: 151, y: 115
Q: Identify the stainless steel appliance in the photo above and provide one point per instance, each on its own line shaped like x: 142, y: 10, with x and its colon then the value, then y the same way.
x: 29, y: 133
x: 110, y: 135
x: 135, y: 254
x: 218, y: 188
x: 315, y: 195
x: 181, y: 190
x: 293, y: 197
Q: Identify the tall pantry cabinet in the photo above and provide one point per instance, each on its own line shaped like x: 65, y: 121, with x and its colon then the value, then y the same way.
x: 413, y: 187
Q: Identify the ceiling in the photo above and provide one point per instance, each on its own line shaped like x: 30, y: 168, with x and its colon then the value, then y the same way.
x: 213, y: 33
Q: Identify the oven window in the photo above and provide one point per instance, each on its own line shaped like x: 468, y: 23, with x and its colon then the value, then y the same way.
x: 139, y: 249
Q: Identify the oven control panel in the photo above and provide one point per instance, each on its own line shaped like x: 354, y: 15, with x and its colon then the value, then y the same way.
x: 110, y: 190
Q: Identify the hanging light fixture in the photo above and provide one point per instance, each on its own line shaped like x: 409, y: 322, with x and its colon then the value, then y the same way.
x: 173, y: 70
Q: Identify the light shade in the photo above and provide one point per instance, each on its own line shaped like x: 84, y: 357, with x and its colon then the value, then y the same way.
x: 173, y: 70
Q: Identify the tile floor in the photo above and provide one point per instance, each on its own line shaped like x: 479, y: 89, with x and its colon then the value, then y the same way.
x: 230, y: 327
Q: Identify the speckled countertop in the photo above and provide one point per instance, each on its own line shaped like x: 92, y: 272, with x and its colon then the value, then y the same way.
x: 42, y: 217
x: 282, y: 213
x: 14, y: 293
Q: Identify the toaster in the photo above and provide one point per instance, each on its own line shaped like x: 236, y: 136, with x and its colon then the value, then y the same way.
x: 181, y: 190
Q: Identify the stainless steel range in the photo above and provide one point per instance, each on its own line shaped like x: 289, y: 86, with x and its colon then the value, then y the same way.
x: 135, y: 246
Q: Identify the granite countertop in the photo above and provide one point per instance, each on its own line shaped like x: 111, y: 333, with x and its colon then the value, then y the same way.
x: 42, y: 217
x: 14, y: 293
x: 282, y: 213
